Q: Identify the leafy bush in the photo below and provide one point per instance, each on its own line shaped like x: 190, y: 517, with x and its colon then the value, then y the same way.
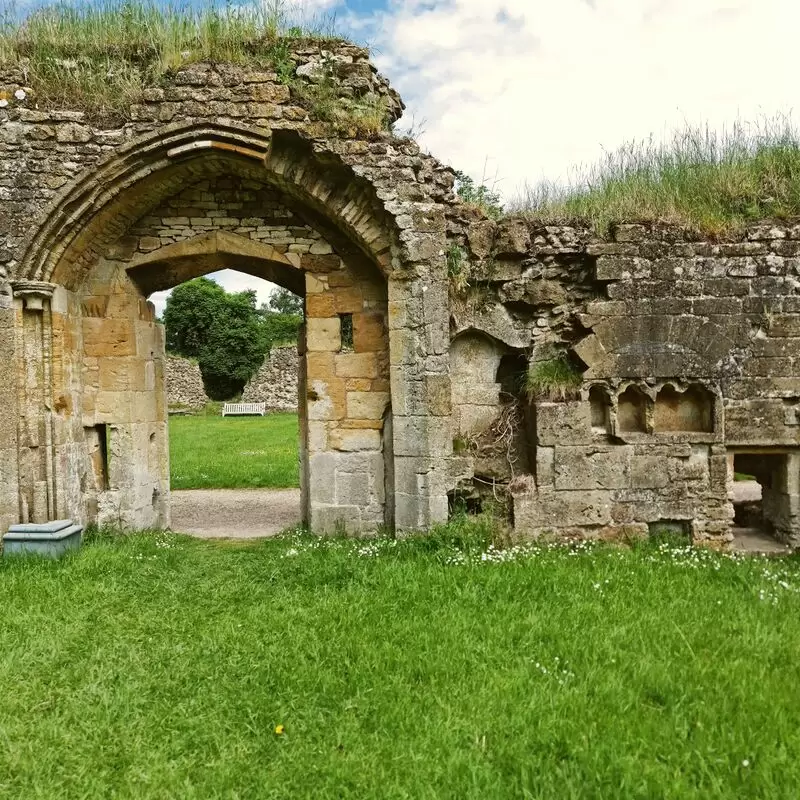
x: 478, y: 196
x: 281, y: 318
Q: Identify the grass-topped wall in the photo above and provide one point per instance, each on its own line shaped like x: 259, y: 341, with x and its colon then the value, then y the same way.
x: 714, y: 183
x: 101, y: 58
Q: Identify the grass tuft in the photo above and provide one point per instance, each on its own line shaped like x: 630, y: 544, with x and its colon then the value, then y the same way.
x: 359, y: 117
x: 100, y: 56
x: 555, y: 378
x: 711, y: 182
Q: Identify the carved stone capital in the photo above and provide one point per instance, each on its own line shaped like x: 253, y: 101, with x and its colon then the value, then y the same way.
x: 33, y: 293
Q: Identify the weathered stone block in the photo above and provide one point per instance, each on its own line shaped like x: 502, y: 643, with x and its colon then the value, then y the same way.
x: 592, y: 468
x: 649, y: 472
x: 563, y: 423
x: 323, y: 334
x: 513, y: 238
x: 543, y: 509
x: 353, y: 440
x: 328, y: 519
x: 422, y: 436
x: 356, y: 365
x: 369, y: 332
x: 615, y: 268
x: 367, y: 405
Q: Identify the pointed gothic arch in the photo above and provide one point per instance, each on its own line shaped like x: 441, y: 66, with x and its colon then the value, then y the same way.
x: 71, y: 288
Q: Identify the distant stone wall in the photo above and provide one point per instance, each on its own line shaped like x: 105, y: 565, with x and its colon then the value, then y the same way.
x: 275, y: 383
x: 184, y: 383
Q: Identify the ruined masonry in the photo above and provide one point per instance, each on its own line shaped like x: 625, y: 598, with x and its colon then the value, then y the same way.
x: 685, y: 351
x: 274, y: 383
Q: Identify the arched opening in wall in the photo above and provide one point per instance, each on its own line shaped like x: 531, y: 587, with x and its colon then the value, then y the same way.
x: 632, y: 407
x: 231, y: 375
x: 690, y: 411
x: 600, y: 407
x: 204, y: 217
x: 520, y: 423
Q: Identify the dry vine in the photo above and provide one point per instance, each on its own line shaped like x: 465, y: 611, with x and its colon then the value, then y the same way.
x: 498, y: 439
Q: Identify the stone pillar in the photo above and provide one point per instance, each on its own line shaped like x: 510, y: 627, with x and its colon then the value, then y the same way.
x: 302, y: 413
x: 419, y: 341
x: 9, y: 467
x: 37, y: 472
x: 780, y: 501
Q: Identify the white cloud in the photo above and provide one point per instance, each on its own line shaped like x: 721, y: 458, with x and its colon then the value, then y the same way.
x: 231, y: 281
x: 540, y: 86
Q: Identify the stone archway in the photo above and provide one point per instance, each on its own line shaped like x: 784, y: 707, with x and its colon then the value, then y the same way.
x: 92, y: 347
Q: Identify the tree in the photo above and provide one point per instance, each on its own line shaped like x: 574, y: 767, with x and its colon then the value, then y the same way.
x: 282, y: 317
x: 190, y: 312
x: 282, y: 301
x: 223, y: 331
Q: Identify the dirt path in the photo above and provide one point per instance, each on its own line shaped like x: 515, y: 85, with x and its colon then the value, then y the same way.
x: 235, y: 513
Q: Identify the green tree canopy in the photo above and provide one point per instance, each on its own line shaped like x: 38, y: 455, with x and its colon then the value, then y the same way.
x: 282, y: 301
x: 223, y: 331
x: 282, y: 317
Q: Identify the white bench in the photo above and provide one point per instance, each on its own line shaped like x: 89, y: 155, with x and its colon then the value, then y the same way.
x: 240, y: 409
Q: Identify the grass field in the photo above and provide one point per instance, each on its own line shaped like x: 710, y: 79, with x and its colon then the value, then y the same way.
x: 234, y: 452
x: 153, y: 666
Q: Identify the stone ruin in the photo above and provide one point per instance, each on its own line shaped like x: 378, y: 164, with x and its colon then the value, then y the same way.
x: 275, y: 382
x: 183, y: 384
x: 681, y: 352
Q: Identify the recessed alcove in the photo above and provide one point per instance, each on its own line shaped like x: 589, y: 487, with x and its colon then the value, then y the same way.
x: 600, y: 407
x: 690, y: 411
x: 632, y: 411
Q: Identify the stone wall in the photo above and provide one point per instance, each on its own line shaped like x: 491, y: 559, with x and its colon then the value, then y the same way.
x: 184, y: 383
x: 221, y: 167
x: 276, y: 382
x: 683, y: 349
x: 687, y: 349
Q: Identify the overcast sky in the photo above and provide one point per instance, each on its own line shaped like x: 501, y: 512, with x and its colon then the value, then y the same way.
x: 519, y: 90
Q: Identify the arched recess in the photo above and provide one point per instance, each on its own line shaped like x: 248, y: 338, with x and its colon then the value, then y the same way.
x: 84, y: 276
x: 210, y: 252
x: 474, y: 360
x: 690, y: 410
x: 633, y: 411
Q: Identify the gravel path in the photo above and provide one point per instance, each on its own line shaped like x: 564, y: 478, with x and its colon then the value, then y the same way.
x: 235, y: 513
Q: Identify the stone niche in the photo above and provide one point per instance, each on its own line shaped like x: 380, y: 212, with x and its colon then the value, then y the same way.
x: 633, y: 410
x: 688, y: 411
x: 600, y: 409
x: 474, y: 363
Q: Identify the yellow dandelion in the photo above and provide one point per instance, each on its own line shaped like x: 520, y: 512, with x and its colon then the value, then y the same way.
x: 280, y: 730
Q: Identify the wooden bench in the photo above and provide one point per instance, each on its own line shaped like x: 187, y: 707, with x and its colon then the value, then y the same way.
x: 240, y: 409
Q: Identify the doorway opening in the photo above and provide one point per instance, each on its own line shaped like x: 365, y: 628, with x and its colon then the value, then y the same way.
x: 232, y: 339
x: 764, y: 499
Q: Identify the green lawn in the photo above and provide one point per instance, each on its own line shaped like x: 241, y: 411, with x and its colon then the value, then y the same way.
x: 210, y: 452
x: 153, y: 666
